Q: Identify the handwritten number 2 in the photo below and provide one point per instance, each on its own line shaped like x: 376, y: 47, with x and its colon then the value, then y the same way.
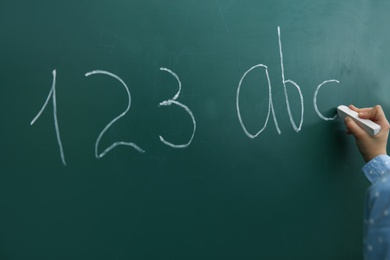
x: 175, y: 102
x: 98, y: 156
x: 52, y: 95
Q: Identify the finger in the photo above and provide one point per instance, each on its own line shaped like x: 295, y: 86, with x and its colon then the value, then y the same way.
x: 353, y: 108
x: 376, y: 114
x: 354, y: 128
x: 359, y: 110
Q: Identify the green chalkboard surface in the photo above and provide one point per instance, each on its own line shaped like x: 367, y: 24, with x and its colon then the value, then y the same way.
x: 185, y: 129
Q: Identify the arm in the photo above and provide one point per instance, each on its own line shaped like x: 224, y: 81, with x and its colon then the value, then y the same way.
x: 377, y: 170
x: 377, y: 209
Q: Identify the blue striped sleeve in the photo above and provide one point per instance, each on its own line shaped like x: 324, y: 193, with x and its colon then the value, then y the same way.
x: 377, y: 209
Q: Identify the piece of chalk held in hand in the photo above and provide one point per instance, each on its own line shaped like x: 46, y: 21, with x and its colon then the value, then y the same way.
x: 369, y: 126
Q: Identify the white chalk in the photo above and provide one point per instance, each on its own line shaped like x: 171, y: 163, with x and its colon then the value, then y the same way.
x: 369, y: 126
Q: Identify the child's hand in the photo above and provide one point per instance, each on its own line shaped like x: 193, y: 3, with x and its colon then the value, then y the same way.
x: 369, y: 146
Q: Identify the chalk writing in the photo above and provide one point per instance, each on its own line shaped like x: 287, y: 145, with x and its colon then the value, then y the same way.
x: 97, y: 155
x: 52, y: 95
x: 297, y: 129
x: 315, y: 100
x: 270, y: 105
x: 174, y: 101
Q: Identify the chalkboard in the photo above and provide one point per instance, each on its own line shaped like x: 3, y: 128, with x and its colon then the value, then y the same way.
x: 185, y: 129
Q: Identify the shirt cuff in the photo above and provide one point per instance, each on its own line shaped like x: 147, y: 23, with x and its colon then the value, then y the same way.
x: 377, y: 168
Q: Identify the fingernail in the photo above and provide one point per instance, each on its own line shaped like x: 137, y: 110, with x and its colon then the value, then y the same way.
x: 362, y: 113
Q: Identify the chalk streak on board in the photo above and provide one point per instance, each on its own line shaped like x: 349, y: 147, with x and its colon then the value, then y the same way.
x: 52, y: 95
x: 224, y: 20
x: 297, y: 129
x: 131, y: 144
x: 315, y: 100
x: 175, y: 102
x: 270, y: 104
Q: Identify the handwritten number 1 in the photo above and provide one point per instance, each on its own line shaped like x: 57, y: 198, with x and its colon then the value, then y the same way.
x: 52, y: 95
x: 98, y: 156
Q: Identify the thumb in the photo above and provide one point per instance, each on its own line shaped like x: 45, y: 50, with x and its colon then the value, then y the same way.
x: 354, y: 128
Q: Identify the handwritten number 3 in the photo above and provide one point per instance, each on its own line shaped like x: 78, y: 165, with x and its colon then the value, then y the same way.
x: 52, y: 95
x: 114, y: 120
x: 175, y: 102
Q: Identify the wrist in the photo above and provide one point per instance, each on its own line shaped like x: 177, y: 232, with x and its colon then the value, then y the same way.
x: 369, y: 156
